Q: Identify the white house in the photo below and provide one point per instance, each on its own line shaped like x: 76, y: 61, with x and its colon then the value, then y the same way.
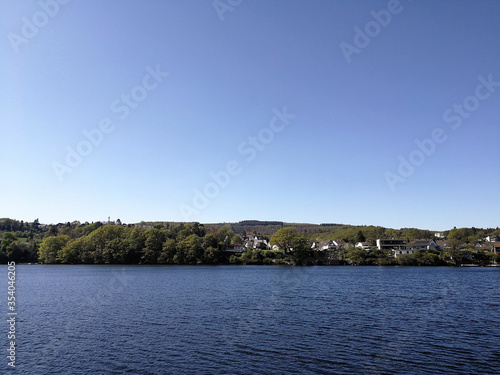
x: 398, y: 252
x: 392, y: 243
x: 419, y: 245
x: 401, y: 246
x: 423, y: 245
x: 252, y: 242
x: 363, y: 245
x: 327, y: 245
x: 492, y: 239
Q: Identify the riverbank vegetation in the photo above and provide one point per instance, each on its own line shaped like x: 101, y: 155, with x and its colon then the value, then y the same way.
x: 194, y: 243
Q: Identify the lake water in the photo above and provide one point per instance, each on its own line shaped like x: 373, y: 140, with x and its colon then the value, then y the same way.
x: 254, y: 320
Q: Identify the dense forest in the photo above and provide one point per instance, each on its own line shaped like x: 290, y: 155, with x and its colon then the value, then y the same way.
x: 195, y: 243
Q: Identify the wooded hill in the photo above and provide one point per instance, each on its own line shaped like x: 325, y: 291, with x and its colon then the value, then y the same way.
x: 184, y: 243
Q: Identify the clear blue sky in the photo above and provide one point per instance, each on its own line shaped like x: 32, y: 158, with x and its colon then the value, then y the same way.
x: 356, y: 114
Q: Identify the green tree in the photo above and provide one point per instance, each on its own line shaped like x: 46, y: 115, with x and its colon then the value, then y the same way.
x: 154, y: 245
x: 168, y: 252
x: 99, y: 239
x: 53, y: 230
x: 17, y: 252
x: 198, y: 229
x: 33, y: 251
x: 76, y: 251
x: 50, y: 248
x: 224, y: 235
x: 302, y: 254
x: 391, y: 233
x: 406, y: 260
x: 460, y: 235
x: 356, y: 256
x: 212, y: 255
x: 360, y: 237
x: 454, y: 251
x: 285, y: 238
x: 35, y: 225
x: 7, y: 239
x: 113, y: 251
x: 192, y: 249
x: 209, y: 241
x: 135, y: 243
x: 236, y: 239
x: 432, y: 259
x: 419, y: 257
x: 91, y: 227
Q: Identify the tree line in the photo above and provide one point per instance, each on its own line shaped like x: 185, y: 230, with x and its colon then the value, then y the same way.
x: 177, y: 244
x: 117, y: 244
x: 194, y: 243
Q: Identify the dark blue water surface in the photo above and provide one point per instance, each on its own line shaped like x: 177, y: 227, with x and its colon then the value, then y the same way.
x: 255, y: 320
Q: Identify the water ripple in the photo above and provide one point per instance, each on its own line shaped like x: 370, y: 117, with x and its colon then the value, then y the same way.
x: 259, y: 320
